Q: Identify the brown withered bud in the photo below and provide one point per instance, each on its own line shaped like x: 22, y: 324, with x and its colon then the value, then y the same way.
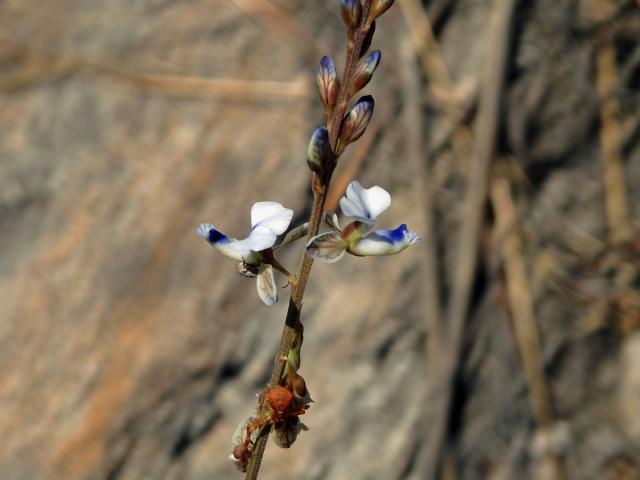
x: 380, y: 6
x: 286, y: 432
x: 319, y: 150
x: 364, y: 71
x: 367, y: 40
x: 328, y: 84
x: 355, y: 123
x: 351, y: 11
x: 297, y: 385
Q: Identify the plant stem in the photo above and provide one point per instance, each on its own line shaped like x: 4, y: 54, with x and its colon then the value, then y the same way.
x: 320, y: 196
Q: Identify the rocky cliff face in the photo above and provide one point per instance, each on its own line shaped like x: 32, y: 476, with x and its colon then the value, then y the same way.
x: 129, y: 349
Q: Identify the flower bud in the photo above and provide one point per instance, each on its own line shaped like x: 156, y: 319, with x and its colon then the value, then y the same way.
x: 367, y: 40
x: 351, y: 11
x: 364, y: 71
x: 355, y: 123
x: 380, y: 6
x: 319, y: 150
x: 328, y: 84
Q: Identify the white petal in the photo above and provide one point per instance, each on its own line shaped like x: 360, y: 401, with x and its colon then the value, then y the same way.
x: 203, y: 230
x: 331, y: 219
x: 271, y: 215
x: 364, y: 204
x: 326, y: 247
x: 266, y: 285
x: 260, y: 238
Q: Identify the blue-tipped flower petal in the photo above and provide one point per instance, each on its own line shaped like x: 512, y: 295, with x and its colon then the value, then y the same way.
x: 351, y: 11
x: 211, y: 235
x: 356, y: 122
x: 365, y: 70
x: 328, y: 84
x: 385, y: 242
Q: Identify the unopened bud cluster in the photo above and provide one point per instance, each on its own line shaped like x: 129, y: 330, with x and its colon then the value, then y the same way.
x: 358, y: 22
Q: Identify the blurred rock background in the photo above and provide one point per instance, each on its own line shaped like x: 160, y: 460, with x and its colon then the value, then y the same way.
x: 129, y: 349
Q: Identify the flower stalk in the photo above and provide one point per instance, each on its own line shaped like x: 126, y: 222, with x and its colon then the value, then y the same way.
x: 320, y: 187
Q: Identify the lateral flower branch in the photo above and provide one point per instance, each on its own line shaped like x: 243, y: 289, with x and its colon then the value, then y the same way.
x: 286, y: 397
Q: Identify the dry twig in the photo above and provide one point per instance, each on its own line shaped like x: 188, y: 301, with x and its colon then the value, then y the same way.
x: 485, y: 132
x: 524, y: 322
x: 611, y: 137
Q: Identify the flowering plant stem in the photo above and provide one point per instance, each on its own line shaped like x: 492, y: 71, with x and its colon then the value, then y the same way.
x: 320, y: 187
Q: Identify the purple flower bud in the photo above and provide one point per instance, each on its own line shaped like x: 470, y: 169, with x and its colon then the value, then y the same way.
x: 364, y: 71
x: 355, y: 123
x: 319, y: 150
x: 380, y: 6
x: 351, y: 11
x: 328, y: 83
x: 367, y: 40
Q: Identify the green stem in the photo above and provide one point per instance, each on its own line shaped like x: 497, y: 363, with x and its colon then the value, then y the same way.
x: 320, y: 198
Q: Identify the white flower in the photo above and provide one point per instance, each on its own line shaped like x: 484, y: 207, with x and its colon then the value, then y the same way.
x: 359, y: 237
x: 268, y: 220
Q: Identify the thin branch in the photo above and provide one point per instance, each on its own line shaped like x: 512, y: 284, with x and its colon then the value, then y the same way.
x: 42, y: 65
x: 485, y: 134
x: 415, y: 153
x: 611, y: 137
x: 524, y: 322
